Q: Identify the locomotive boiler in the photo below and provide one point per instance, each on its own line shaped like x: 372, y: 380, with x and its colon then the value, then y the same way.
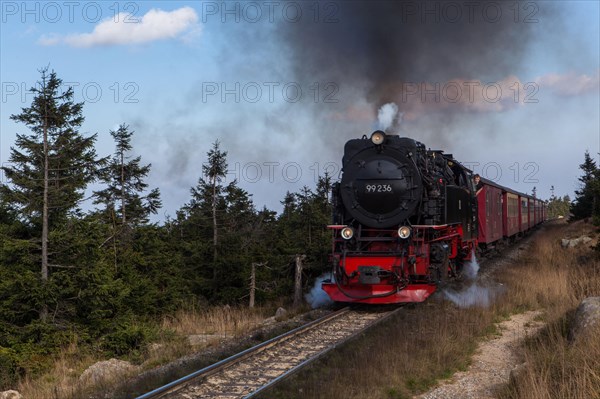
x: 405, y: 220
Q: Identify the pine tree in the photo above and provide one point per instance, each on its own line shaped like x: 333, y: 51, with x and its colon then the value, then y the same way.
x: 291, y: 239
x: 200, y: 220
x: 6, y: 211
x: 558, y: 207
x: 587, y: 197
x: 215, y: 171
x: 240, y: 233
x: 302, y: 224
x: 123, y: 199
x: 50, y: 168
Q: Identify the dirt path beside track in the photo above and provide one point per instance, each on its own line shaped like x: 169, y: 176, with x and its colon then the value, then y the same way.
x: 492, y: 363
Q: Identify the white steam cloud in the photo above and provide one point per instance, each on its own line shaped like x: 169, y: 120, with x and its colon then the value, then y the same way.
x: 474, y: 294
x: 471, y: 269
x: 317, y: 297
x: 387, y: 115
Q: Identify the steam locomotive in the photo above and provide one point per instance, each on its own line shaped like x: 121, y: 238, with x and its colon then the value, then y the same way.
x: 407, y: 218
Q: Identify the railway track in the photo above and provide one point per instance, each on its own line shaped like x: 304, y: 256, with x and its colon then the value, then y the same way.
x: 256, y: 369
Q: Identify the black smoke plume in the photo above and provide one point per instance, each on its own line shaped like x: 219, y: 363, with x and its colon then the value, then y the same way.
x: 376, y: 46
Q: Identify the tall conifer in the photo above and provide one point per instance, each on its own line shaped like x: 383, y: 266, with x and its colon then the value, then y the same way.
x: 587, y: 199
x: 123, y: 198
x: 49, y: 168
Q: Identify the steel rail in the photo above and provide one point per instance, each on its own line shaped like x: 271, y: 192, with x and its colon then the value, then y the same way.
x: 297, y: 368
x: 212, y: 369
x: 246, y: 369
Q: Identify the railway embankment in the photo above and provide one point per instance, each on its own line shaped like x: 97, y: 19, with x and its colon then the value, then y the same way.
x: 225, y: 331
x: 206, y: 353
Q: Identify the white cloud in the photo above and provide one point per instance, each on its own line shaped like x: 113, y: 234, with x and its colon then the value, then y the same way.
x: 155, y: 25
x: 49, y: 40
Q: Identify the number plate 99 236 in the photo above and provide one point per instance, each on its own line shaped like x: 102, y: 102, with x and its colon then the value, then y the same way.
x: 378, y: 188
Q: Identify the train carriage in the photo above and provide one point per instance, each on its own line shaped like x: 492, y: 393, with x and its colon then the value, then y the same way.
x: 544, y: 209
x: 489, y: 205
x: 524, y: 213
x: 510, y: 213
x: 531, y: 213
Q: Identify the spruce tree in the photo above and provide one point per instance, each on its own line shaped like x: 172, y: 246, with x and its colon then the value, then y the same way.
x: 558, y: 207
x: 301, y: 226
x: 587, y: 197
x: 123, y: 198
x: 201, y: 221
x: 215, y: 171
x: 50, y: 168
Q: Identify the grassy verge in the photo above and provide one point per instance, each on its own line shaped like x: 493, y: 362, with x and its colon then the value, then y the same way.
x: 561, y: 278
x: 431, y: 341
x: 171, y: 342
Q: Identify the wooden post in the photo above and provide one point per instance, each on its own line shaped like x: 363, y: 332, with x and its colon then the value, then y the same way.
x: 252, y: 284
x: 253, y: 281
x: 298, y: 281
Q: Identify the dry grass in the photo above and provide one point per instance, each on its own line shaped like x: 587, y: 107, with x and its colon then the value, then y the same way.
x: 556, y: 281
x: 222, y: 321
x: 403, y: 357
x: 431, y: 341
x: 557, y: 369
x: 551, y: 277
x: 63, y: 377
x: 63, y: 380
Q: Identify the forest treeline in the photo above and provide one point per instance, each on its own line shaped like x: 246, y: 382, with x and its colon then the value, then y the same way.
x: 97, y: 277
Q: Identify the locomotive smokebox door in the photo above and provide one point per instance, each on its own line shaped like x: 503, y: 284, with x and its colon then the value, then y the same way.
x: 369, y: 274
x: 381, y: 185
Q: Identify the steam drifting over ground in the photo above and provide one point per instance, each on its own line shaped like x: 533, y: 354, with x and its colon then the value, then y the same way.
x: 473, y: 294
x: 317, y: 298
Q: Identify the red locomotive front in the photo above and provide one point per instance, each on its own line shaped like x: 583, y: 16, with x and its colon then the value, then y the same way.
x: 404, y: 221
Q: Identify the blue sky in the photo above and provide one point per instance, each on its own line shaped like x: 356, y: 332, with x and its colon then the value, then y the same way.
x: 165, y: 71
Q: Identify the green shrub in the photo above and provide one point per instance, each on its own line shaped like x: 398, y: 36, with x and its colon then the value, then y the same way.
x: 128, y: 338
x: 8, y: 367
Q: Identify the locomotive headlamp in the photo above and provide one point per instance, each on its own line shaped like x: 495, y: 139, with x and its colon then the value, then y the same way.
x: 404, y: 232
x: 378, y: 137
x: 347, y: 233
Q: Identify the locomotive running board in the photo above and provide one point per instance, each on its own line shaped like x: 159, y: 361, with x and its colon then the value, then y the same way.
x: 369, y: 293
